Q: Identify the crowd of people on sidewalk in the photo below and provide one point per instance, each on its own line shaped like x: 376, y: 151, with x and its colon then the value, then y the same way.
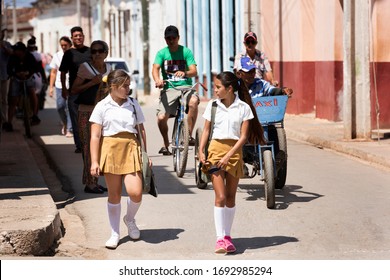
x: 95, y: 109
x: 21, y: 69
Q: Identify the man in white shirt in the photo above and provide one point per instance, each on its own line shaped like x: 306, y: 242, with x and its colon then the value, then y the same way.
x: 55, y: 83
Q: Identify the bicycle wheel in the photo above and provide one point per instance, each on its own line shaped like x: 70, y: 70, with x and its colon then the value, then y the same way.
x: 182, y: 148
x: 281, y: 159
x: 269, y: 179
x: 198, y: 178
x: 174, y: 143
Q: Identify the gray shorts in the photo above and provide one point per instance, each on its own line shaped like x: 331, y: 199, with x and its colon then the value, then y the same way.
x: 16, y: 86
x: 170, y: 100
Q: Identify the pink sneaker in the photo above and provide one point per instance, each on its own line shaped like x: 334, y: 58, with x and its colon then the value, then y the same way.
x: 230, y: 248
x: 220, y: 247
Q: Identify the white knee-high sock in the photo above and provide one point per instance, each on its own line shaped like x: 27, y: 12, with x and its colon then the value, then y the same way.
x: 132, y: 209
x: 114, y: 216
x: 229, y: 217
x: 219, y: 220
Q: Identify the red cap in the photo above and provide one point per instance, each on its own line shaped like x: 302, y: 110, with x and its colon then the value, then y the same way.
x: 250, y: 34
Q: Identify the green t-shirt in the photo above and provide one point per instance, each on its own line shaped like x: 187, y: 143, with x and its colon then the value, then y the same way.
x: 171, y: 62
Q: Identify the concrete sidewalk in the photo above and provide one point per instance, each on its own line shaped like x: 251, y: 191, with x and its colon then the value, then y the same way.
x: 29, y: 219
x: 330, y: 135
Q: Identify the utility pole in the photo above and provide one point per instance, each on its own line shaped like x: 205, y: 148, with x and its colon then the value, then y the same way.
x: 14, y: 21
x: 349, y: 70
x: 145, y: 27
x: 356, y: 101
x: 78, y: 11
x: 1, y: 14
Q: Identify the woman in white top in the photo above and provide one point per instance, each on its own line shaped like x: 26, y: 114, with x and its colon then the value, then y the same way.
x: 233, y: 119
x: 89, y: 84
x: 118, y: 157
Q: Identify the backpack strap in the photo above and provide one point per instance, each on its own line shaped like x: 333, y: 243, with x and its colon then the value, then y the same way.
x: 213, y: 111
x: 139, y: 135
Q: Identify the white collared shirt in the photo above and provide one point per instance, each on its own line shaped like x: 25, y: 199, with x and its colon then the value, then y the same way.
x: 114, y: 118
x: 228, y: 121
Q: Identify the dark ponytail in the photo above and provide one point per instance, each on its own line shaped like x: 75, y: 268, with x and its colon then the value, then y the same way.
x: 256, y: 132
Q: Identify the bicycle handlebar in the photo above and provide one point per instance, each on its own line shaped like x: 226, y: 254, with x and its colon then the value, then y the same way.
x: 185, y: 88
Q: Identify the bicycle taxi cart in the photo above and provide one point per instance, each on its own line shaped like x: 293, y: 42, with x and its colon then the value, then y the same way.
x: 269, y: 160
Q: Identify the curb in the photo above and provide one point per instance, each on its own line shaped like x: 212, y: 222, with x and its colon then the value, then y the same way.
x: 31, y: 223
x: 342, y: 147
x: 36, y: 242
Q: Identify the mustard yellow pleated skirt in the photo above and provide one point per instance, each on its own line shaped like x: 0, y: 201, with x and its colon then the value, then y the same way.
x: 218, y: 149
x: 120, y: 154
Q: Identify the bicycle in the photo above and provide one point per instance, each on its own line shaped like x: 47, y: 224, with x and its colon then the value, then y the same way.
x: 180, y: 133
x: 25, y: 107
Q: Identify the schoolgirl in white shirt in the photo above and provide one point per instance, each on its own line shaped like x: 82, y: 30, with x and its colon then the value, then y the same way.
x: 118, y: 157
x: 234, y: 119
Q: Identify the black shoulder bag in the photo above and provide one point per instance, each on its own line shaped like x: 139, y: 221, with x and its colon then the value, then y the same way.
x: 148, y: 181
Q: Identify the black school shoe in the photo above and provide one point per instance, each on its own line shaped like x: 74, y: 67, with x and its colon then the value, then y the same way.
x: 95, y: 189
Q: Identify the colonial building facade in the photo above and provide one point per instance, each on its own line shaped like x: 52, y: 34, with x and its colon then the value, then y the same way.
x: 306, y: 41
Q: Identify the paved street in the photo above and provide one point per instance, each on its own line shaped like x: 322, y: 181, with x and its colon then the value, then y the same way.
x: 333, y: 207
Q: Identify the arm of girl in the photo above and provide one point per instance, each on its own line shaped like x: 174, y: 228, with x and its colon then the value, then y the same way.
x: 96, y: 133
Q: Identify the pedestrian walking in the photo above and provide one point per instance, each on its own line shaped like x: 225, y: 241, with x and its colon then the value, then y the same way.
x: 5, y: 53
x: 70, y: 64
x: 87, y: 87
x: 116, y: 152
x: 224, y: 162
x: 55, y: 85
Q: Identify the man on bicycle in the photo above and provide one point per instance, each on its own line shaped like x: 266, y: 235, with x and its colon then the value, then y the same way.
x: 21, y: 67
x: 177, y: 65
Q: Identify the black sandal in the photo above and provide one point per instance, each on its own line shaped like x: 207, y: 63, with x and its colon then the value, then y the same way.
x: 165, y: 151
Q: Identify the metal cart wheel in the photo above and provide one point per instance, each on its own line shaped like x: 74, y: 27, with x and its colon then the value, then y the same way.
x: 281, y: 159
x: 269, y: 179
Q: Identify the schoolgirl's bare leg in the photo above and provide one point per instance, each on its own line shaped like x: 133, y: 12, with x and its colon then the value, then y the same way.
x: 114, y: 186
x: 133, y: 185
